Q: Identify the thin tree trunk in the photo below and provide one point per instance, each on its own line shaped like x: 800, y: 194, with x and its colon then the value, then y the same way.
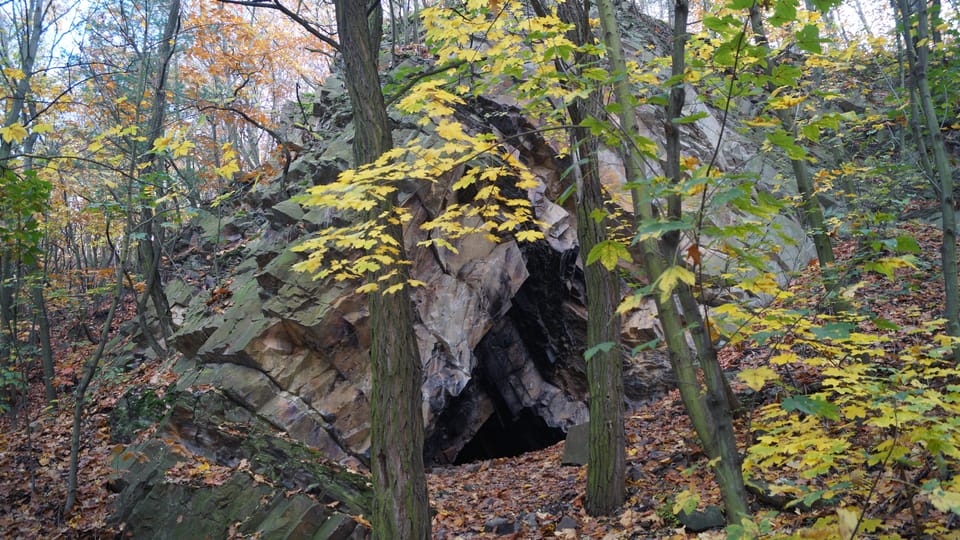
x: 606, y: 471
x: 708, y: 408
x: 918, y: 58
x: 863, y: 19
x: 89, y: 371
x: 400, y: 504
x: 914, y: 118
x: 152, y: 241
x: 812, y: 214
x: 46, y: 351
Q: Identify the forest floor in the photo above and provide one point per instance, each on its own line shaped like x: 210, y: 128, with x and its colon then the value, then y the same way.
x: 532, y: 494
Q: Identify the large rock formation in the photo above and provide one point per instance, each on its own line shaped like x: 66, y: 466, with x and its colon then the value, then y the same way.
x: 501, y: 327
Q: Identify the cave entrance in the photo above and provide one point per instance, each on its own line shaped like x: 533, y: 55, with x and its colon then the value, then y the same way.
x: 498, y: 438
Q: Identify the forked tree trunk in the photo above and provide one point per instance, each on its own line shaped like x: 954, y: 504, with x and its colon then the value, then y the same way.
x: 708, y: 408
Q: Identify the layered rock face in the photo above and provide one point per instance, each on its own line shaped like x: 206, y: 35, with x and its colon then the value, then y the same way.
x: 501, y: 327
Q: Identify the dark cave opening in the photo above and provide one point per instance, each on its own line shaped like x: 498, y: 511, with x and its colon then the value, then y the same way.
x: 499, y: 437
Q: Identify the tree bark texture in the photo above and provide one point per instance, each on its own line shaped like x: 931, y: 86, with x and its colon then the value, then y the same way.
x: 606, y: 471
x: 400, y: 507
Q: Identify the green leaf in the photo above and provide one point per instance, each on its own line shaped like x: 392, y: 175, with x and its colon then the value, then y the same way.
x: 907, y: 244
x: 785, y: 141
x: 660, y: 99
x: 596, y: 74
x: 691, y: 118
x: 833, y: 330
x: 885, y: 324
x: 604, y: 347
x: 598, y: 214
x: 614, y: 107
x: 786, y: 75
x: 811, y: 132
x: 656, y: 229
x: 784, y: 12
x: 595, y: 126
x: 726, y: 53
x: 816, y: 406
x: 722, y: 26
x: 808, y: 39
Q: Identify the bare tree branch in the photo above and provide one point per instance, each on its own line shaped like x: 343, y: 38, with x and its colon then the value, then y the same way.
x: 275, y: 4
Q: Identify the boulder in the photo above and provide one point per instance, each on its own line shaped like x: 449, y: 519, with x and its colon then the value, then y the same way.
x: 213, y: 471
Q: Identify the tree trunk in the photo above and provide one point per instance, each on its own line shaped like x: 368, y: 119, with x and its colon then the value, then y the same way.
x: 915, y: 118
x: 812, y: 214
x: 708, y: 408
x: 400, y: 507
x: 152, y: 242
x: 606, y: 471
x: 90, y: 370
x: 918, y: 58
x: 46, y: 351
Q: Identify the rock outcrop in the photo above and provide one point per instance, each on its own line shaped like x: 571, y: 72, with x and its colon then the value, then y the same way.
x: 501, y: 327
x: 217, y: 471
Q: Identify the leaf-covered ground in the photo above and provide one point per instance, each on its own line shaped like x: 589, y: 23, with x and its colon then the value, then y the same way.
x: 532, y: 495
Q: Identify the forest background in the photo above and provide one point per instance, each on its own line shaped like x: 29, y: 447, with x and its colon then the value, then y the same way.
x: 122, y: 118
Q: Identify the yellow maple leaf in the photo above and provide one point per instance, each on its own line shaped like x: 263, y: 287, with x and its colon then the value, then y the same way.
x: 182, y: 148
x: 160, y: 144
x: 14, y: 133
x: 786, y: 102
x: 368, y: 288
x: 393, y: 288
x: 784, y: 358
x: 450, y: 130
x: 671, y: 278
x: 529, y: 236
x: 755, y: 378
x: 14, y: 73
x: 228, y: 169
